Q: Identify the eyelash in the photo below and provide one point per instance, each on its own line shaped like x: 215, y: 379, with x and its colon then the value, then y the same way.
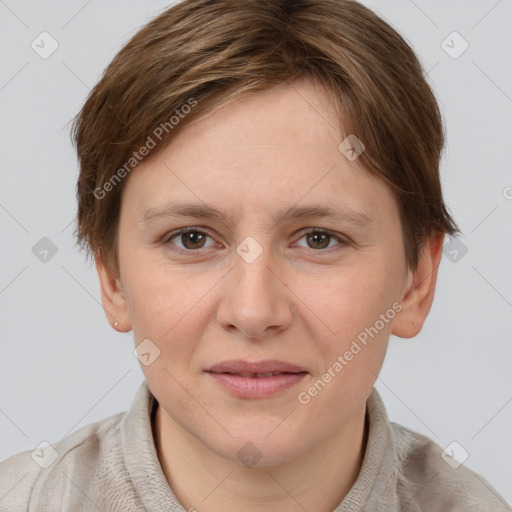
x: 173, y: 234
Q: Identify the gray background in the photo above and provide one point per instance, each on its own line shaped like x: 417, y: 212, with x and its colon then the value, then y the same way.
x: 62, y: 366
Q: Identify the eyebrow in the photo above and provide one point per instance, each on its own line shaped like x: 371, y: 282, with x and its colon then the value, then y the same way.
x: 204, y: 211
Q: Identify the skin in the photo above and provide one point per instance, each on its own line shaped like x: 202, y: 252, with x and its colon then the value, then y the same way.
x: 303, y: 300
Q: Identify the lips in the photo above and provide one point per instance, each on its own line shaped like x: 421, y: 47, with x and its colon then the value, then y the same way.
x: 246, y: 380
x: 258, y: 375
x: 262, y: 369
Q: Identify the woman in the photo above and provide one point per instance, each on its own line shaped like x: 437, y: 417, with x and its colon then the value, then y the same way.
x: 259, y: 188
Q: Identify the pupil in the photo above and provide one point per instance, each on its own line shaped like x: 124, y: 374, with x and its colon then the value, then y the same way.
x: 193, y: 237
x: 314, y: 237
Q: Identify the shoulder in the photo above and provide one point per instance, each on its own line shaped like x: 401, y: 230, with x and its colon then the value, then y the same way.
x: 430, y: 479
x: 26, y: 476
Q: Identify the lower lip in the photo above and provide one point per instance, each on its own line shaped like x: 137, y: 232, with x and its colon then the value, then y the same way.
x: 256, y: 387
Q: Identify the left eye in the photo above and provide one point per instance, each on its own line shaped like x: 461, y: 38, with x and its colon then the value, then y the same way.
x: 193, y: 239
x: 320, y: 238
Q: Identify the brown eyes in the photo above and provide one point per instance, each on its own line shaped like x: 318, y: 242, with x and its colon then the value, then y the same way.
x: 194, y: 239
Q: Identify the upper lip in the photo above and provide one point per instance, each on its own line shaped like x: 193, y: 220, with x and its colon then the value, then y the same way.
x: 241, y: 366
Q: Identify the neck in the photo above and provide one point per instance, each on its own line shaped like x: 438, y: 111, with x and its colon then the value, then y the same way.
x: 317, y: 479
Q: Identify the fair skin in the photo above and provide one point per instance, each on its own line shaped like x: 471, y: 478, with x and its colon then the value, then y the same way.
x: 302, y: 300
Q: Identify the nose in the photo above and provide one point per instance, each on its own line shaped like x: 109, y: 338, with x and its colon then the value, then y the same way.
x: 255, y: 297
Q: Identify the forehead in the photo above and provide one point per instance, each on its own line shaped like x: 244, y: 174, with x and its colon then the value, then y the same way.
x: 263, y: 151
x: 294, y: 111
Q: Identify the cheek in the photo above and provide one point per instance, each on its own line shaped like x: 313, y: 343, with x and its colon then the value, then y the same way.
x: 169, y: 305
x: 153, y: 298
x: 353, y: 351
x: 343, y: 303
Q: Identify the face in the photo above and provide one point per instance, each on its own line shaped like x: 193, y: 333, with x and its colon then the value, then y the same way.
x: 257, y: 284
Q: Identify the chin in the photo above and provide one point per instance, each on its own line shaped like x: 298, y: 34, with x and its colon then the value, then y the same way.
x: 254, y: 449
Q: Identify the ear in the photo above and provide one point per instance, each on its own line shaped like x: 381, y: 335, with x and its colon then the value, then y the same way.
x: 112, y: 298
x: 419, y: 289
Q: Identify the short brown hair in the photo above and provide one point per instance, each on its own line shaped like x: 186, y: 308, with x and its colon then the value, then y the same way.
x: 211, y: 52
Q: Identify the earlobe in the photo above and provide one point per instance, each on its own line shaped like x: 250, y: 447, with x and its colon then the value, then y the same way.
x: 112, y: 298
x: 419, y: 290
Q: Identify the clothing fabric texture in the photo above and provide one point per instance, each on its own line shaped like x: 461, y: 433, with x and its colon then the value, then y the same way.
x: 112, y: 466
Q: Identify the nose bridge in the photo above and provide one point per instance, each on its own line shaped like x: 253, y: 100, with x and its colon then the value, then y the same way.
x: 251, y: 273
x: 254, y: 301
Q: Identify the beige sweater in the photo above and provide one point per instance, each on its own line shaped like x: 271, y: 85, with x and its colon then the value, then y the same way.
x: 112, y: 466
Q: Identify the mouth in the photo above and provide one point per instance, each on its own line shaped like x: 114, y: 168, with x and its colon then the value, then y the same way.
x: 258, y: 375
x: 243, y: 379
x: 251, y: 369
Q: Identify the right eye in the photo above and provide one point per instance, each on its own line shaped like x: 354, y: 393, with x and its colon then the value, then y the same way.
x: 192, y: 239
